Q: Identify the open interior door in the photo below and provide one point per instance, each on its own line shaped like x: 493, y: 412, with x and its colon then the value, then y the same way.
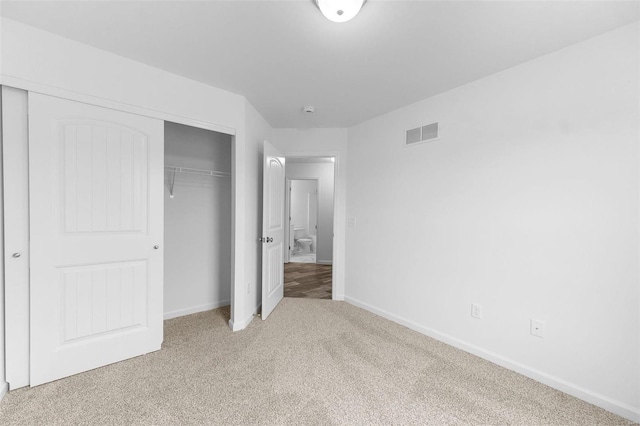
x: 273, y: 223
x: 96, y: 217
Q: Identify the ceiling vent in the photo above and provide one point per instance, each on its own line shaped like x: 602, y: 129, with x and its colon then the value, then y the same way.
x: 427, y: 133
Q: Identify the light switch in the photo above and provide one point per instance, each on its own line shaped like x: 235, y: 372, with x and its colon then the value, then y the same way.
x: 476, y: 310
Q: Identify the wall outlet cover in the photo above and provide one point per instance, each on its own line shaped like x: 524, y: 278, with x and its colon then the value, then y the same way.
x: 537, y: 327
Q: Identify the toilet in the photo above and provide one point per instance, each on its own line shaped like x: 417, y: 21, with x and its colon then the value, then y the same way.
x: 305, y: 245
x: 302, y: 243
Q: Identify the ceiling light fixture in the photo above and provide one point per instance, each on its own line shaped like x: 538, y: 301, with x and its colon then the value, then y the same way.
x: 340, y: 10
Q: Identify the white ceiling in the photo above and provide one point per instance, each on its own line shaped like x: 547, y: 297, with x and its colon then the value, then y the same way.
x: 283, y: 55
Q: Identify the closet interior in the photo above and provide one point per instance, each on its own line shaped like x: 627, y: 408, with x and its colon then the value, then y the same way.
x: 197, y: 223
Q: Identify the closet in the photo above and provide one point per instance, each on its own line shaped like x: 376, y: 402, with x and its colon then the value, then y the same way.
x: 197, y: 225
x: 117, y: 220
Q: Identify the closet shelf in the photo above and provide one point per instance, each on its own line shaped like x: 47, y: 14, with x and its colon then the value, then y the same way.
x: 199, y: 172
x: 173, y: 170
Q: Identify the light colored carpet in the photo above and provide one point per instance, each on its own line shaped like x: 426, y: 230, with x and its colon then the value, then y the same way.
x: 313, y: 362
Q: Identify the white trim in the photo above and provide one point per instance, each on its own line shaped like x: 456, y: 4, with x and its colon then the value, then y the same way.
x: 4, y: 389
x: 287, y: 208
x: 324, y: 262
x: 241, y: 325
x: 45, y: 89
x: 237, y: 326
x: 573, y: 389
x: 196, y: 309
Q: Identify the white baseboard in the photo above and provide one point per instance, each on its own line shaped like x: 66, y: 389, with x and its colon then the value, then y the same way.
x: 231, y: 324
x: 609, y: 404
x: 324, y: 262
x: 4, y: 388
x: 241, y: 325
x: 196, y: 309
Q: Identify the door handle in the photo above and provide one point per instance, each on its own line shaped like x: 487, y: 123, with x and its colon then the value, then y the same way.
x: 16, y: 255
x: 269, y: 239
x: 156, y: 247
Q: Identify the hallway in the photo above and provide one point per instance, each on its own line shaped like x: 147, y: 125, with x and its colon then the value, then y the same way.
x: 309, y: 280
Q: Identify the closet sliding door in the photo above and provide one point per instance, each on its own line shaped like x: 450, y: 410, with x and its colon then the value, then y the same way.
x: 96, y: 217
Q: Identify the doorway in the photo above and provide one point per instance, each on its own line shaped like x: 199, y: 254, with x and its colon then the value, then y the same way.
x: 303, y: 220
x: 310, y: 205
x: 197, y: 219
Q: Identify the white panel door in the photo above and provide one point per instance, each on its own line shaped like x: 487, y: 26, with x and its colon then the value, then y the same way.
x: 15, y: 147
x: 273, y: 223
x: 96, y: 215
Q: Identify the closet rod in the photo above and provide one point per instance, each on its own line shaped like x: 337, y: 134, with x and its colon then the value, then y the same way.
x: 188, y: 171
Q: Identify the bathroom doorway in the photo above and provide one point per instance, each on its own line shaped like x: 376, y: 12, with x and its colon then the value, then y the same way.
x: 303, y: 220
x: 310, y: 205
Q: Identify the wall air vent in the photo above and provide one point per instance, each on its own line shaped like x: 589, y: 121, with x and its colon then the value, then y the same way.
x: 427, y: 133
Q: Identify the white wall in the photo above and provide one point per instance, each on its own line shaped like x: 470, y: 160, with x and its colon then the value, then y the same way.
x: 35, y: 59
x: 323, y: 143
x: 257, y: 131
x: 39, y: 61
x: 197, y: 227
x: 527, y: 205
x: 325, y: 174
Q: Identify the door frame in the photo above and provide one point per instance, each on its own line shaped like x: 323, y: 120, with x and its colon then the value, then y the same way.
x: 337, y: 261
x: 287, y: 230
x: 18, y: 317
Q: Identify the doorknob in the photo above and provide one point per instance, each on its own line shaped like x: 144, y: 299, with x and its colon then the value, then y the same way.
x: 269, y: 239
x: 156, y: 247
x: 16, y: 255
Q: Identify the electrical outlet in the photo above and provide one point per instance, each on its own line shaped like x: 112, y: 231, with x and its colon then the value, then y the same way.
x: 476, y: 310
x: 351, y: 222
x: 537, y: 327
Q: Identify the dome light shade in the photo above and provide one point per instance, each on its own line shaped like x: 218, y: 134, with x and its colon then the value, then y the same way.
x: 340, y: 10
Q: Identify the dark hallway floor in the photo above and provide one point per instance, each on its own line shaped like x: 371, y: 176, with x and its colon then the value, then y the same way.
x: 307, y: 280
